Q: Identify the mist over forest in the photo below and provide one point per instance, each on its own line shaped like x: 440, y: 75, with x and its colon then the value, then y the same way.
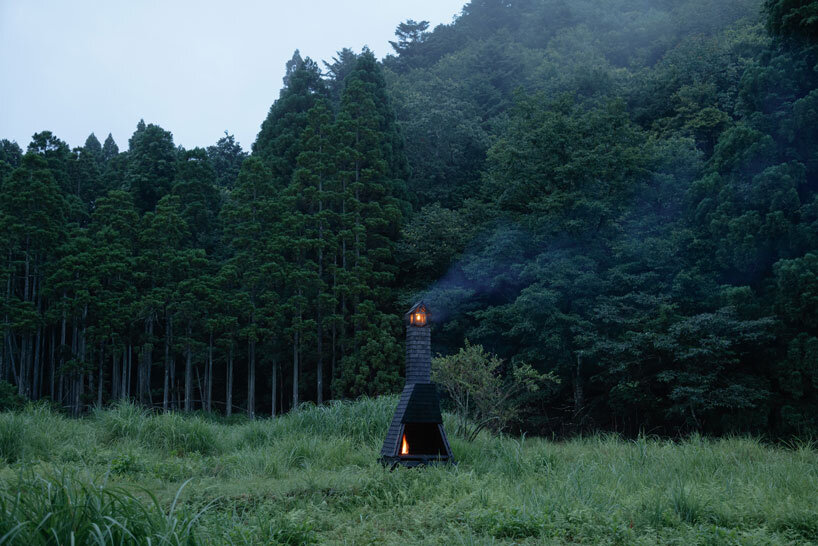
x: 621, y: 193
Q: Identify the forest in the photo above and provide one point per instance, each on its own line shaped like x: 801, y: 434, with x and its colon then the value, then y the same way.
x: 621, y: 193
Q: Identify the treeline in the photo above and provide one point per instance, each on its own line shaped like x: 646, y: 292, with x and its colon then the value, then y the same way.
x: 621, y: 192
x: 164, y: 274
x: 630, y: 193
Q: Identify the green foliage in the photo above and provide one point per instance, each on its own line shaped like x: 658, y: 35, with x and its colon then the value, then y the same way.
x: 195, y: 184
x: 792, y: 19
x: 312, y: 476
x: 286, y: 531
x: 63, y: 508
x: 797, y: 290
x: 514, y: 524
x: 622, y: 195
x: 9, y: 398
x: 628, y: 232
x: 373, y: 369
x: 277, y: 143
x: 226, y: 157
x: 109, y: 149
x: 431, y: 240
x: 12, y: 433
x: 482, y: 396
x: 151, y: 165
x: 11, y: 153
x: 576, y: 169
x: 170, y: 432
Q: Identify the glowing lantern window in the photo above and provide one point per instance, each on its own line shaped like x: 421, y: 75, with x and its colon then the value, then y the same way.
x: 418, y: 316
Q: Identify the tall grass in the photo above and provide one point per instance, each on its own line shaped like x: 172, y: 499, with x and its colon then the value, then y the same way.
x: 170, y: 432
x: 62, y: 509
x: 12, y: 434
x: 38, y: 433
x: 313, y: 476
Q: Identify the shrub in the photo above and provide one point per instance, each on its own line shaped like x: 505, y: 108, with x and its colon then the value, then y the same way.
x: 483, y: 396
x: 9, y: 399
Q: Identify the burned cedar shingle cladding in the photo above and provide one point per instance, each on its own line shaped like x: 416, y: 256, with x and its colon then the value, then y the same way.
x: 418, y: 353
x: 419, y: 405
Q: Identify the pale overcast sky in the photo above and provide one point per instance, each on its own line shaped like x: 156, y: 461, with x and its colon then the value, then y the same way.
x: 195, y: 67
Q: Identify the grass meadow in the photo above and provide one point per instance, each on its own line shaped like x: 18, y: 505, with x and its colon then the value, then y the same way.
x: 126, y: 476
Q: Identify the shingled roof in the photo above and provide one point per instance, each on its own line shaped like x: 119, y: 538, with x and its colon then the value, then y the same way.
x: 421, y: 305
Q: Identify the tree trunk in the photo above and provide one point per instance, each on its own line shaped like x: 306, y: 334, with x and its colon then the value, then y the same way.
x: 251, y: 379
x: 62, y: 348
x: 128, y: 373
x: 6, y: 363
x: 320, y: 326
x: 201, y: 388
x: 75, y: 400
x: 343, y: 268
x: 115, y: 374
x: 229, y: 387
x: 274, y: 390
x: 99, y: 378
x: 123, y: 384
x: 83, y: 352
x: 280, y: 391
x: 209, y: 374
x: 22, y: 382
x: 22, y: 385
x: 356, y: 295
x: 334, y: 324
x: 37, y: 371
x: 295, y: 371
x: 188, y: 370
x: 71, y: 380
x: 174, y: 387
x: 168, y: 341
x: 146, y: 362
x: 53, y: 363
x: 334, y: 358
x: 320, y: 365
x: 149, y: 366
x: 578, y: 391
x: 15, y: 375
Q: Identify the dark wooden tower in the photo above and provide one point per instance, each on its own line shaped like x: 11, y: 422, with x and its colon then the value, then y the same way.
x: 416, y: 435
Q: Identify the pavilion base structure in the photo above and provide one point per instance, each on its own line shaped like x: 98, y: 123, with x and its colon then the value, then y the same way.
x: 416, y: 436
x: 417, y: 460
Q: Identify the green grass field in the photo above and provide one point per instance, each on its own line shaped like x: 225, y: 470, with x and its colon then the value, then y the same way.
x: 117, y: 477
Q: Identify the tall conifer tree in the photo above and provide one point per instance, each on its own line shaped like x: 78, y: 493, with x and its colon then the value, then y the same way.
x: 370, y: 165
x: 250, y: 217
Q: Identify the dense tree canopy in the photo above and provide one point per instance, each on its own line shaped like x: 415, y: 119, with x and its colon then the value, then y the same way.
x: 622, y: 194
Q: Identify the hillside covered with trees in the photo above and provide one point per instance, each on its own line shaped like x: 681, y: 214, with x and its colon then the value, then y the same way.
x: 622, y: 193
